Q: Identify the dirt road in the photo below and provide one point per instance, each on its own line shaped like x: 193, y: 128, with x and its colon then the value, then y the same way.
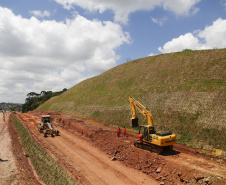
x: 91, y: 165
x: 8, y: 169
x: 92, y: 154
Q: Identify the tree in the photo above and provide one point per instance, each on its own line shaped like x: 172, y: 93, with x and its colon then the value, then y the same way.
x: 32, y: 94
x: 34, y: 99
x: 43, y: 93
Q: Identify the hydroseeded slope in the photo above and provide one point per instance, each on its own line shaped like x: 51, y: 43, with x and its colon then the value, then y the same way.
x: 184, y: 91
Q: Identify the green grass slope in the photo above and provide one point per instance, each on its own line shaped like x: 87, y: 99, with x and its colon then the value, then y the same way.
x: 184, y: 91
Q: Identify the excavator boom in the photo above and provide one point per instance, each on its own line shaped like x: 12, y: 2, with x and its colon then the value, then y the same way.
x: 133, y: 104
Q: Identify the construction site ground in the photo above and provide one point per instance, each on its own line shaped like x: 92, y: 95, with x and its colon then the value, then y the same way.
x: 93, y: 154
x: 15, y: 167
x: 8, y: 169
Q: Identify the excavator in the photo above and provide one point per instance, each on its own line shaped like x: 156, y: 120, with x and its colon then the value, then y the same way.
x: 150, y: 140
x: 46, y: 127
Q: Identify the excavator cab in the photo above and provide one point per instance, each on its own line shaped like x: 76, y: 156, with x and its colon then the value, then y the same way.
x: 46, y: 119
x: 152, y: 130
x: 147, y: 131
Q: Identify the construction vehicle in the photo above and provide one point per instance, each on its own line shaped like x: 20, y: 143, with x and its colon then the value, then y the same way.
x: 46, y: 127
x: 150, y: 139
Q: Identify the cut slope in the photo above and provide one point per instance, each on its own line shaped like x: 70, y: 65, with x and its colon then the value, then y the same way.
x: 185, y: 92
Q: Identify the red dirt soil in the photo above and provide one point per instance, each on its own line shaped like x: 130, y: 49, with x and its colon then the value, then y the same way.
x: 92, y: 154
x: 27, y: 174
x: 15, y: 167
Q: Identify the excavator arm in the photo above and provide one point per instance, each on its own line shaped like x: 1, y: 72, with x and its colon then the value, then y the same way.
x: 49, y: 126
x: 135, y: 104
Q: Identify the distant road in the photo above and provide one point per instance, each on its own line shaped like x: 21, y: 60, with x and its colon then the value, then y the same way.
x: 8, y: 170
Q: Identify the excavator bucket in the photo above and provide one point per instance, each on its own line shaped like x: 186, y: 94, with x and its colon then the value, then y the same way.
x: 134, y: 123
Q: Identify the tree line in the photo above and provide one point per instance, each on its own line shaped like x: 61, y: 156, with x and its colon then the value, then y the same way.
x: 10, y: 106
x: 34, y: 99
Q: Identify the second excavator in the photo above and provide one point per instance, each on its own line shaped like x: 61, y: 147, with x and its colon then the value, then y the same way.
x: 150, y: 139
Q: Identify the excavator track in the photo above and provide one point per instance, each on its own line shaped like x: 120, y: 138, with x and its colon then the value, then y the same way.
x: 149, y: 147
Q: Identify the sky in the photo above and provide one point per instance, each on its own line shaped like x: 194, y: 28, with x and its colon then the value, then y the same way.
x: 49, y: 45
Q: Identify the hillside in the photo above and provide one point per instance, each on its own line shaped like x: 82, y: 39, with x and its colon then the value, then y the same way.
x: 184, y: 91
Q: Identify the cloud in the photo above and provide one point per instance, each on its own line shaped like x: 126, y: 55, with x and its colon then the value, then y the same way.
x: 181, y: 7
x: 37, y: 13
x: 123, y: 8
x: 49, y: 55
x: 152, y: 54
x: 211, y: 37
x: 214, y: 35
x: 223, y: 2
x: 187, y: 41
x: 159, y: 21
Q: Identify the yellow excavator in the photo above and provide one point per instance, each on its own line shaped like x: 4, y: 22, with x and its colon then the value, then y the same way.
x: 149, y: 139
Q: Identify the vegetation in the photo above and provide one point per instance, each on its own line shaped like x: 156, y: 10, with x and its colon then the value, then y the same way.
x: 33, y: 99
x: 185, y: 92
x: 11, y: 106
x: 47, y: 169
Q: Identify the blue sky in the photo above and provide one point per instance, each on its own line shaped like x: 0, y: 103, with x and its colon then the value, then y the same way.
x: 55, y: 44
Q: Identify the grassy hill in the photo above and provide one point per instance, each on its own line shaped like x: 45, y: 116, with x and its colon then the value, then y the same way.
x: 185, y: 92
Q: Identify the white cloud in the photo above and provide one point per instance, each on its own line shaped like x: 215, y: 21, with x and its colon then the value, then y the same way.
x: 37, y: 13
x: 48, y: 55
x: 159, y: 21
x: 152, y: 54
x: 211, y: 37
x: 181, y: 7
x: 215, y: 34
x: 187, y: 41
x: 123, y: 8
